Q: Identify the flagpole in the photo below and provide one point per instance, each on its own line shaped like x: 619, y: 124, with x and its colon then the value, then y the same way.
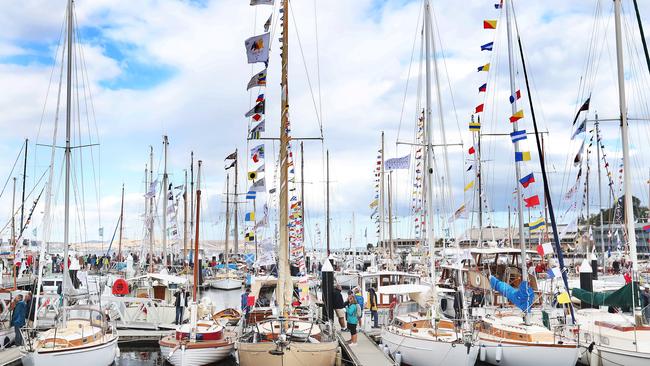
x: 235, y: 203
x: 381, y: 194
x: 151, y: 211
x: 165, y: 193
x: 185, y: 222
x: 191, y: 201
x: 225, y: 255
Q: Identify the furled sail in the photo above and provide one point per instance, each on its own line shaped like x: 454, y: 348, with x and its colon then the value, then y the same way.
x: 523, y: 297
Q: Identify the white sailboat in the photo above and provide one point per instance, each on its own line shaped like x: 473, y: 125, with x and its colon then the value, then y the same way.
x: 84, y: 333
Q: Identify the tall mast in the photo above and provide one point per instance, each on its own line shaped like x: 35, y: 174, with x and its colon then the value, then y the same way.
x: 22, y: 204
x: 327, y: 185
x: 152, y: 216
x: 119, y: 248
x: 302, y: 200
x: 164, y: 215
x: 196, y: 236
x: 390, y: 219
x: 68, y: 152
x: 285, y: 286
x: 146, y: 202
x: 627, y: 167
x: 225, y: 253
x: 236, y: 247
x: 382, y: 207
x: 429, y: 146
x: 600, y: 195
x: 515, y: 127
x: 185, y: 221
x: 476, y: 140
x: 191, y: 196
x: 13, y: 229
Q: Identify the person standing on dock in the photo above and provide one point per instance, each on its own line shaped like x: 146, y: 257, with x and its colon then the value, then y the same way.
x: 18, y: 319
x: 359, y: 297
x: 339, y: 306
x: 372, y: 304
x: 181, y: 303
x: 245, y: 308
x: 353, y: 311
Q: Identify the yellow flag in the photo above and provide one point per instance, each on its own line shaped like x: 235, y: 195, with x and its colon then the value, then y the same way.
x: 469, y: 186
x: 563, y: 298
x: 374, y: 203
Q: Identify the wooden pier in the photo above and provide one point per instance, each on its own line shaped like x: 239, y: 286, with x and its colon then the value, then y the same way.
x: 365, y: 353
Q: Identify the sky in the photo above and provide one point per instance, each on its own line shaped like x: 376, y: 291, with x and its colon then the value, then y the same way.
x: 178, y: 68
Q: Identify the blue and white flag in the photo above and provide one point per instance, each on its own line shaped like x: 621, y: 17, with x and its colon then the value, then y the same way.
x: 398, y: 163
x: 582, y: 128
x: 518, y: 135
x: 554, y: 272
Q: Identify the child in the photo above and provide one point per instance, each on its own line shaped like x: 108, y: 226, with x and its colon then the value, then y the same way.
x: 352, y: 312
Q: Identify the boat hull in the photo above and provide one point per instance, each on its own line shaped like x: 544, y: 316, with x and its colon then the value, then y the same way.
x: 7, y: 337
x: 516, y: 354
x: 226, y: 284
x: 194, y: 356
x: 606, y: 356
x: 428, y: 352
x: 298, y: 354
x: 101, y: 355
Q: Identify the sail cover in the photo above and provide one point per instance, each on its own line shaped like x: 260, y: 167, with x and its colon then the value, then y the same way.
x: 619, y: 298
x: 523, y: 297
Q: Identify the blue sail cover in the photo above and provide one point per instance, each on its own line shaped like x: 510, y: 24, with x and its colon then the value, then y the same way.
x: 523, y: 297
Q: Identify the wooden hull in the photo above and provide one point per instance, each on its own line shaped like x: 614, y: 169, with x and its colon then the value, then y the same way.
x: 195, y: 353
x: 298, y: 354
x: 101, y: 355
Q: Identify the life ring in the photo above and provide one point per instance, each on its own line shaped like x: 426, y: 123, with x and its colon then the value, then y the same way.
x: 120, y: 287
x: 477, y: 280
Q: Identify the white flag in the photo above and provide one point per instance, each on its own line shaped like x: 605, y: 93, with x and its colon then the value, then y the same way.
x: 398, y: 163
x: 258, y: 186
x: 257, y: 48
x: 262, y: 2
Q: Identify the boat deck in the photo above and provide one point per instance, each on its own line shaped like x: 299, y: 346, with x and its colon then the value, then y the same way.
x: 10, y: 356
x: 365, y: 353
x: 141, y: 335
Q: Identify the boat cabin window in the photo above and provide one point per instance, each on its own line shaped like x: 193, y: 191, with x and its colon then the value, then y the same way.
x: 265, y: 296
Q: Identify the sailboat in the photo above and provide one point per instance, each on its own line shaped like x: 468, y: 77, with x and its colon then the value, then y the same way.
x: 286, y: 339
x: 200, y: 342
x: 617, y: 339
x: 84, y: 332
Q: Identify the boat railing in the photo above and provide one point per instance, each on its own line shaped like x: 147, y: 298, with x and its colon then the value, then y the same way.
x: 566, y: 332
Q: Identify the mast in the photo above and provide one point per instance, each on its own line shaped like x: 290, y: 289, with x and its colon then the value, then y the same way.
x: 302, y: 203
x: 515, y: 127
x: 382, y: 207
x: 13, y: 228
x: 477, y: 164
x: 225, y: 253
x: 68, y: 152
x: 191, y: 198
x: 236, y: 247
x: 185, y: 223
x: 285, y: 286
x: 600, y: 196
x: 390, y: 219
x: 429, y: 151
x: 152, y: 217
x: 327, y: 185
x: 627, y: 167
x: 22, y: 200
x: 146, y: 204
x: 165, y: 193
x: 196, y: 236
x: 119, y: 250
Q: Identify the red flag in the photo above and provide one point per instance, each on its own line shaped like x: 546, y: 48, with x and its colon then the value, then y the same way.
x: 479, y: 108
x: 471, y: 150
x: 532, y: 201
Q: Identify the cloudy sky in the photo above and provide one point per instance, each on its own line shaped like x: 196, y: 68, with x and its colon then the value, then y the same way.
x: 150, y: 68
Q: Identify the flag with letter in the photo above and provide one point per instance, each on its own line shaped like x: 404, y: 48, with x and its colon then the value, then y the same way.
x: 257, y: 48
x: 536, y: 225
x: 545, y: 249
x: 482, y: 88
x: 517, y: 116
x: 515, y: 97
x: 485, y: 67
x: 258, y: 186
x: 527, y: 180
x: 554, y: 272
x: 518, y: 135
x: 250, y: 216
x: 582, y: 128
x: 522, y: 156
x: 479, y: 108
x: 532, y: 201
x: 489, y: 24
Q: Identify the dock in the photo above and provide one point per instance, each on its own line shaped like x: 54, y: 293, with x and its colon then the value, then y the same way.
x: 10, y: 356
x: 365, y: 353
x: 142, y: 335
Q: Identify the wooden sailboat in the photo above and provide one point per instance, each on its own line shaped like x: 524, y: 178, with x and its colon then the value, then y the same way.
x: 84, y: 332
x: 200, y: 342
x: 286, y: 340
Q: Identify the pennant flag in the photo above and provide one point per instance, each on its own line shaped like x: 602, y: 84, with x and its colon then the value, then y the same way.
x: 471, y: 150
x: 469, y: 186
x: 257, y: 109
x: 554, y: 272
x: 487, y: 46
x: 517, y: 116
x: 532, y: 201
x: 527, y: 180
x: 545, y: 249
x: 250, y: 216
x: 250, y: 195
x: 231, y: 156
x: 479, y: 108
x: 485, y: 67
x: 374, y: 203
x: 252, y: 175
x: 584, y: 107
x: 482, y: 88
x: 398, y: 163
x: 267, y: 24
x: 231, y: 165
x: 518, y: 135
x: 475, y: 126
x: 522, y: 156
x: 262, y: 2
x: 517, y: 96
x: 470, y: 168
x: 578, y: 158
x: 536, y: 225
x: 563, y: 298
x: 258, y: 79
x: 257, y: 153
x: 260, y: 98
x: 489, y: 24
x: 258, y: 186
x: 582, y: 128
x: 257, y: 48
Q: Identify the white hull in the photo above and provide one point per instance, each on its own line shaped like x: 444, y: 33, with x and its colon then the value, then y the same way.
x: 7, y: 337
x: 298, y: 354
x: 196, y: 356
x: 606, y: 356
x: 226, y: 284
x: 529, y: 355
x: 428, y: 352
x: 347, y: 280
x: 100, y: 355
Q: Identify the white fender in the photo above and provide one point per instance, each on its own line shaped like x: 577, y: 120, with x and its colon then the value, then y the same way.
x: 398, y: 358
x: 499, y: 353
x: 482, y: 353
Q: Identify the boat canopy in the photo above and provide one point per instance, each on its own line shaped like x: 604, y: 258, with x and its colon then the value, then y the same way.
x: 619, y: 298
x: 404, y: 289
x: 523, y: 297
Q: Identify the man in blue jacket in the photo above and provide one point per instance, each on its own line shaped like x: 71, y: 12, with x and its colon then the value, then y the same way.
x: 18, y: 319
